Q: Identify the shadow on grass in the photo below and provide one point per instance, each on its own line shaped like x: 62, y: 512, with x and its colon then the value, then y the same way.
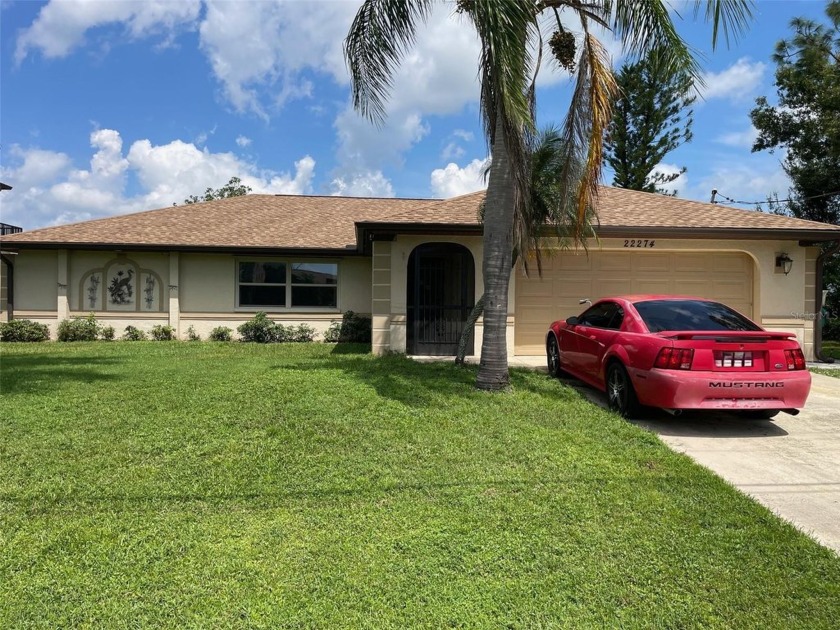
x: 43, y: 373
x: 351, y: 348
x: 422, y: 384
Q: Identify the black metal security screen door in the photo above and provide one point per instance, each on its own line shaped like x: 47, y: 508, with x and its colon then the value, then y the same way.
x: 441, y: 294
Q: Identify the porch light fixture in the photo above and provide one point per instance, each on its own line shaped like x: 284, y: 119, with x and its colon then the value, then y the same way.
x: 784, y: 262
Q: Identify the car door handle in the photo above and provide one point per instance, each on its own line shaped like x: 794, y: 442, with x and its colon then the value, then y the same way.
x: 592, y: 336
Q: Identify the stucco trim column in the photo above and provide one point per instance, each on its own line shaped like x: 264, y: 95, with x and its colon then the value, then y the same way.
x: 810, y: 301
x: 380, y: 308
x: 174, y: 299
x: 62, y: 307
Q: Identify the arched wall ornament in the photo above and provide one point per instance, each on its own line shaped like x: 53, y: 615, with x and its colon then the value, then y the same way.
x: 121, y: 285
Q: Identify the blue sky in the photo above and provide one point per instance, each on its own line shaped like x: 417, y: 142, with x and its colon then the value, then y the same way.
x: 121, y: 106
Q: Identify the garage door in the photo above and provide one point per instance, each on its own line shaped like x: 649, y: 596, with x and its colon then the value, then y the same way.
x: 568, y: 277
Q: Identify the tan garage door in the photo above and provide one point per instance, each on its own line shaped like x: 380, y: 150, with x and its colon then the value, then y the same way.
x: 567, y: 278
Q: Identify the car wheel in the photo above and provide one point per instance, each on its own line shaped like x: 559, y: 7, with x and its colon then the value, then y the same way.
x: 552, y: 352
x: 759, y: 414
x: 620, y: 393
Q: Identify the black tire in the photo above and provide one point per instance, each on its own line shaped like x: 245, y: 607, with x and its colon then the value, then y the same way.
x: 552, y: 352
x: 620, y: 393
x: 759, y: 414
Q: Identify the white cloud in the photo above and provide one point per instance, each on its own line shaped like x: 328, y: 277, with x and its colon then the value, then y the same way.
x: 201, y: 138
x: 36, y: 166
x: 48, y: 191
x: 739, y: 139
x: 454, y: 180
x: 736, y: 83
x: 61, y: 26
x: 363, y: 147
x: 452, y: 151
x: 679, y: 184
x: 243, y: 141
x: 463, y: 134
x: 366, y: 184
x: 262, y: 48
x: 264, y: 54
x: 742, y: 181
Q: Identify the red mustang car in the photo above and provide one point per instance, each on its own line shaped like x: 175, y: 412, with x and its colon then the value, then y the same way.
x: 679, y: 353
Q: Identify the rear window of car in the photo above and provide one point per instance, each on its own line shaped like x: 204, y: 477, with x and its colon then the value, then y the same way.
x: 660, y: 315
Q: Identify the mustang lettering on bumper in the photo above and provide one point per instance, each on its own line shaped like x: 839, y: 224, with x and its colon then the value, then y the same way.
x: 742, y: 385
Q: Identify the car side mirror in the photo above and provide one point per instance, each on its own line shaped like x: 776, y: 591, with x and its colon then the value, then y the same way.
x: 572, y: 321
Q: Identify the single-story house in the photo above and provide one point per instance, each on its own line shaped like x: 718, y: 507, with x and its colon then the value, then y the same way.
x: 413, y: 265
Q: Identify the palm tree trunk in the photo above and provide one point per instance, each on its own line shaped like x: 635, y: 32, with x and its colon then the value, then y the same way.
x: 475, y: 313
x: 496, y: 264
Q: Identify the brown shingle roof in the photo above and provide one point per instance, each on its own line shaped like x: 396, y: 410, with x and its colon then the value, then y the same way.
x: 623, y: 208
x: 258, y: 221
x: 619, y: 207
x: 328, y: 223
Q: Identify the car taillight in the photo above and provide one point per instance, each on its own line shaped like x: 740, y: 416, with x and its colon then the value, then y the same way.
x: 674, y: 359
x: 794, y: 359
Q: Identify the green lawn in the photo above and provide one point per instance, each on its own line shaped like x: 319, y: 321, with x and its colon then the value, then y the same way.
x: 234, y: 485
x: 831, y: 349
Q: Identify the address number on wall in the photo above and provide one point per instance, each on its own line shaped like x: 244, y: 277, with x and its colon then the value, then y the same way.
x: 639, y: 242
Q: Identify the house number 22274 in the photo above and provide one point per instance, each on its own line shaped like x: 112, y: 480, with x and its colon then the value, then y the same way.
x: 639, y: 242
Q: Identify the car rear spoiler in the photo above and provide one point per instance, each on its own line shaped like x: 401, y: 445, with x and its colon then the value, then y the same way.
x: 728, y: 336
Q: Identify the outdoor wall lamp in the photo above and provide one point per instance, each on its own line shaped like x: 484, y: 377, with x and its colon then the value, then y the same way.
x: 784, y: 262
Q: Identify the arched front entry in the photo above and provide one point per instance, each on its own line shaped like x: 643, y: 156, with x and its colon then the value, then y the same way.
x: 441, y: 294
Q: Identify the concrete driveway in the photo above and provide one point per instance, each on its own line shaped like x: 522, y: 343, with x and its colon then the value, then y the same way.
x: 790, y: 464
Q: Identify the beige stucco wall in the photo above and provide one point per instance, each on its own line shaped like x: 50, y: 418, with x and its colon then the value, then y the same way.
x: 779, y: 302
x: 80, y: 263
x: 207, y: 290
x: 36, y: 281
x: 208, y: 284
x: 401, y: 249
x: 198, y: 290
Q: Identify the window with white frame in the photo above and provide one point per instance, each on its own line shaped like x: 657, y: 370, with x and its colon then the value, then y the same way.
x: 282, y: 284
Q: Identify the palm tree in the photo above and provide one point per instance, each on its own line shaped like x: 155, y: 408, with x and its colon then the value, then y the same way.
x: 549, y: 210
x: 510, y: 36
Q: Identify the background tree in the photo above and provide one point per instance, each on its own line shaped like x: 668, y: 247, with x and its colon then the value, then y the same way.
x: 511, y: 46
x: 234, y: 188
x: 652, y: 116
x: 806, y: 123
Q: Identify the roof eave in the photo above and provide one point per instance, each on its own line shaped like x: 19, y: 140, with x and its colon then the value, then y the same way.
x: 369, y: 231
x: 783, y: 234
x: 209, y: 249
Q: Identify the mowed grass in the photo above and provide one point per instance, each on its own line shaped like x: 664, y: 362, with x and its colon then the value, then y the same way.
x: 233, y: 485
x: 831, y: 349
x: 833, y: 372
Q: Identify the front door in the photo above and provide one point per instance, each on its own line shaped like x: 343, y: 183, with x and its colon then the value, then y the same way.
x: 441, y: 294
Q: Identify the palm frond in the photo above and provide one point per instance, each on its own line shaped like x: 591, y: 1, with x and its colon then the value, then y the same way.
x: 507, y: 68
x: 588, y: 118
x: 645, y: 25
x: 733, y: 16
x: 380, y: 35
x: 506, y: 65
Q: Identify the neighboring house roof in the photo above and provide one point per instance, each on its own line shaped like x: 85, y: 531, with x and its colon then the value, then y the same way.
x: 331, y: 224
